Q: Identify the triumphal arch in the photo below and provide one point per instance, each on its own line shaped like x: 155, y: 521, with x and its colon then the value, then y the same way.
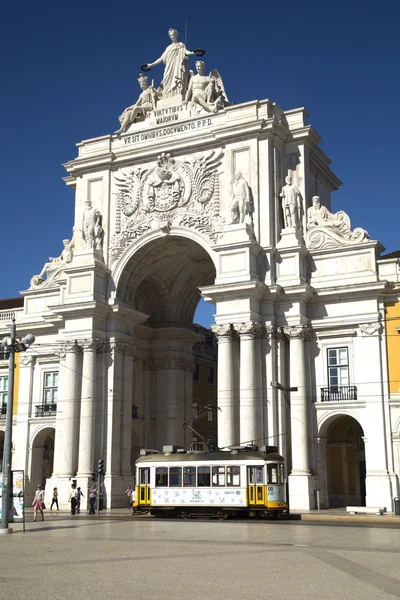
x: 195, y: 196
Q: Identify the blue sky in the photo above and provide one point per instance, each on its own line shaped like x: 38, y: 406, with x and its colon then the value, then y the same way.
x: 69, y: 69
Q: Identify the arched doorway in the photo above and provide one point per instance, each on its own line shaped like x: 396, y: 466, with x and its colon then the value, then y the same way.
x: 346, y: 468
x: 42, y: 457
x: 162, y: 280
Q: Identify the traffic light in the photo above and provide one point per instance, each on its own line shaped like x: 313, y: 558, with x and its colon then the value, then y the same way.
x: 100, y: 466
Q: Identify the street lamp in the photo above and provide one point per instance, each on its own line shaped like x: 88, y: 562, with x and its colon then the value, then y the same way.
x: 12, y: 346
x: 284, y: 390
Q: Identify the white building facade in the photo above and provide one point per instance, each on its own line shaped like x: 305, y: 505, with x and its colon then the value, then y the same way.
x: 189, y: 203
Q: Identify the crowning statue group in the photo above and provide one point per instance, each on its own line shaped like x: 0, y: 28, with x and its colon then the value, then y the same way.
x: 205, y: 92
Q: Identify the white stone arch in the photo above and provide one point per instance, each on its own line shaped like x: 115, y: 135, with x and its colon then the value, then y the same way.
x: 160, y: 275
x: 328, y: 418
x: 175, y: 231
x: 350, y: 489
x: 396, y: 428
x: 37, y: 437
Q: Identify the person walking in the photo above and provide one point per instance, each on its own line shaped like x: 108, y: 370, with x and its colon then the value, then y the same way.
x: 92, y: 499
x: 38, y: 502
x: 78, y: 500
x: 128, y: 493
x: 73, y: 498
x: 54, y: 500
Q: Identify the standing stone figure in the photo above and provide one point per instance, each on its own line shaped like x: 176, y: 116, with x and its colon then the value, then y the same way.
x: 240, y: 200
x: 92, y: 230
x: 145, y: 103
x: 290, y: 204
x: 204, y: 90
x: 175, y: 58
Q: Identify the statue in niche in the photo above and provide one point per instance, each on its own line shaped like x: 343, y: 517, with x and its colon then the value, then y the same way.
x: 241, y: 209
x: 175, y: 57
x: 290, y: 204
x: 146, y: 102
x: 206, y: 91
x: 337, y: 227
x: 55, y: 264
x: 92, y: 230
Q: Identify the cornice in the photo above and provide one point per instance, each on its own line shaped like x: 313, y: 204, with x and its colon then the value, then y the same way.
x: 254, y: 287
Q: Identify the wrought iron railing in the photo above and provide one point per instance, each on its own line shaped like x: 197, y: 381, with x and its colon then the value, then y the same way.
x: 45, y: 410
x: 344, y: 393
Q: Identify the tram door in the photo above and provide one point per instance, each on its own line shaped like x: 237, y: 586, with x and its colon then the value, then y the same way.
x: 144, y: 485
x: 255, y: 485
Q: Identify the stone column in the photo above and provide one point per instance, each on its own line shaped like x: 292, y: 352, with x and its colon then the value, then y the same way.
x: 115, y: 379
x: 127, y: 403
x: 66, y: 422
x: 283, y: 408
x: 87, y: 418
x: 226, y: 418
x: 301, y: 494
x: 248, y: 393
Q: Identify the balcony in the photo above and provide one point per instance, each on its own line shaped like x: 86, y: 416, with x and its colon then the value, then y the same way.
x: 3, y: 411
x: 45, y: 410
x: 345, y: 393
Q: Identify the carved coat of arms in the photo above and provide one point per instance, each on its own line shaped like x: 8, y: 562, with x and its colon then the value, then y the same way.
x: 184, y: 192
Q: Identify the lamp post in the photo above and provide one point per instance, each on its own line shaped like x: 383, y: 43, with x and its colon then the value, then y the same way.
x: 284, y: 390
x: 12, y: 346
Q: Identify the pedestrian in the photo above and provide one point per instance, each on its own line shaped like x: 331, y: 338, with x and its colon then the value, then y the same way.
x: 92, y: 499
x: 38, y: 502
x: 78, y: 500
x: 133, y: 498
x: 128, y: 493
x: 73, y: 498
x: 54, y: 500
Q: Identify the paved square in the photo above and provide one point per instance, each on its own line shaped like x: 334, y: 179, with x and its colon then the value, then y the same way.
x: 198, y: 560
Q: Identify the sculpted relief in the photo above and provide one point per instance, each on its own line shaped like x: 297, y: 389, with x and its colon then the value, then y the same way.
x: 327, y: 230
x: 53, y: 269
x: 181, y: 192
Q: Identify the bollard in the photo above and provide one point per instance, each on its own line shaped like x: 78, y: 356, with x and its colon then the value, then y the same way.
x: 397, y: 506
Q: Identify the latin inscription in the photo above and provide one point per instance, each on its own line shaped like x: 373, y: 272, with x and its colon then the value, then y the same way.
x: 151, y: 135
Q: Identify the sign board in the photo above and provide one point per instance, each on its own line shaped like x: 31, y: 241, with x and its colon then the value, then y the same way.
x: 18, y: 497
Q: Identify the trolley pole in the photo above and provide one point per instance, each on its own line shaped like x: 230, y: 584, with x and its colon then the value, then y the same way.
x: 7, y: 482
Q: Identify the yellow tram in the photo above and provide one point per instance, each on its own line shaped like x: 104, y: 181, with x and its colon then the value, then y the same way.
x: 243, y: 480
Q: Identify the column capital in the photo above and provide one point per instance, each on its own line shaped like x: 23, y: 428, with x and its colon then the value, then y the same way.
x: 118, y: 347
x: 223, y: 330
x: 298, y: 332
x: 91, y: 345
x: 251, y: 328
x: 67, y: 347
x: 27, y: 360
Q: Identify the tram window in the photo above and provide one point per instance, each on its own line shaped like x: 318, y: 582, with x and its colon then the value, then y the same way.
x: 272, y: 471
x: 189, y: 476
x: 162, y: 477
x: 218, y: 476
x: 175, y: 476
x: 282, y: 472
x: 203, y: 477
x: 233, y: 476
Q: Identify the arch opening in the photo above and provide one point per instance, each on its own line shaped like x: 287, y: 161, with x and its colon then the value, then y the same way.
x: 42, y: 456
x: 162, y: 280
x: 345, y: 462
